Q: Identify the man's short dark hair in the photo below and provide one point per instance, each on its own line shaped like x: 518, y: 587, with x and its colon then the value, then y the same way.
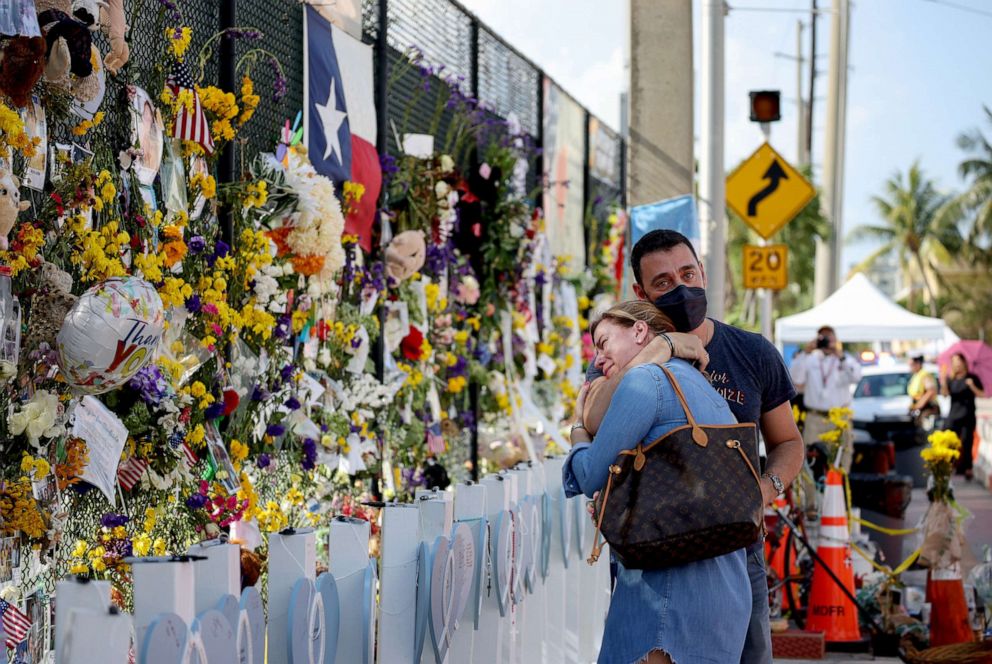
x: 661, y: 239
x: 825, y: 329
x: 917, y: 358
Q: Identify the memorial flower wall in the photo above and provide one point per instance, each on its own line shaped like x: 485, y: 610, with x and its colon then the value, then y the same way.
x: 169, y: 377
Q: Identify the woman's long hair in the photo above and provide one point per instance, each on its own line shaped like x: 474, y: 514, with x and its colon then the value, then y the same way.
x: 627, y: 313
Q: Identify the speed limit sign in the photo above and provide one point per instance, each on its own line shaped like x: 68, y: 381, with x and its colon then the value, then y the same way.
x: 765, y: 267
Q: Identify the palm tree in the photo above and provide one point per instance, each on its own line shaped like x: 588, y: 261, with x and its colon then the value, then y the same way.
x: 977, y: 200
x: 917, y: 225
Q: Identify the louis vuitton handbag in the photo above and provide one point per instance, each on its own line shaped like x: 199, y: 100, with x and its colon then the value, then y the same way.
x: 692, y: 494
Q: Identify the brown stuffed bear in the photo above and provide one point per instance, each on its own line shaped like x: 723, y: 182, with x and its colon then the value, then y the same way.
x: 22, y: 63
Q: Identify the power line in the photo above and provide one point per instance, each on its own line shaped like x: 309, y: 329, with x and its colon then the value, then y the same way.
x: 790, y: 10
x: 964, y: 8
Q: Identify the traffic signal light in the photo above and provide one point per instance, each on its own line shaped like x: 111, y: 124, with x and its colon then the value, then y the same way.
x: 765, y: 106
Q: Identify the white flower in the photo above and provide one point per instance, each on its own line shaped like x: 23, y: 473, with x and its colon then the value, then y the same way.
x: 36, y: 418
x: 447, y: 163
x: 441, y: 190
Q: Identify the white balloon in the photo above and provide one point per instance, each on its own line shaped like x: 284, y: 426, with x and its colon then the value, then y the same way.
x: 112, y: 331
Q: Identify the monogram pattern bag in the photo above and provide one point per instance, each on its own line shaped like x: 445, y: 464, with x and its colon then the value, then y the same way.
x: 692, y: 494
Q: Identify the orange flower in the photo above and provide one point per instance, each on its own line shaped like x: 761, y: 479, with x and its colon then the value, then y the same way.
x: 308, y: 265
x: 175, y: 251
x: 279, y: 236
x: 172, y: 232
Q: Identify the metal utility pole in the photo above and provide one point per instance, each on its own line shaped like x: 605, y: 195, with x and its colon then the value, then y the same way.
x: 812, y: 82
x: 802, y: 141
x: 828, y: 251
x: 712, y: 199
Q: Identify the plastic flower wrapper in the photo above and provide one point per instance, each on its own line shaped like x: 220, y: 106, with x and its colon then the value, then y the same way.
x: 38, y: 418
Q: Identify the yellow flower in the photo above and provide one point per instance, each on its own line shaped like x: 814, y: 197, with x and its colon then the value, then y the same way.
x: 179, y: 39
x: 295, y: 496
x: 80, y: 549
x: 141, y: 545
x: 158, y: 546
x: 79, y: 568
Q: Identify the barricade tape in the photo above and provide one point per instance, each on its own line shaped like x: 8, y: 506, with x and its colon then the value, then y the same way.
x: 863, y: 522
x: 885, y: 569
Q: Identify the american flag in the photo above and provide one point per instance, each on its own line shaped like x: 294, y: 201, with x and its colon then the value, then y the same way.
x: 189, y: 455
x: 190, y: 124
x: 130, y: 472
x: 15, y: 623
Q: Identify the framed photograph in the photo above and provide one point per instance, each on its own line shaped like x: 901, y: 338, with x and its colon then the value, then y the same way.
x: 10, y: 558
x: 36, y: 126
x: 147, y: 134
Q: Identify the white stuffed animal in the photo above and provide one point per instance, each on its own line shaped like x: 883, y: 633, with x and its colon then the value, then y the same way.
x: 10, y: 204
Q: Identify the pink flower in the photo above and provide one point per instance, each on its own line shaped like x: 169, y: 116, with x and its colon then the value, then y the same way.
x: 468, y: 290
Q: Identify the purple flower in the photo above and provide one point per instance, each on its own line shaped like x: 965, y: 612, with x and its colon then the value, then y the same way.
x: 283, y: 323
x: 242, y: 33
x: 309, y: 454
x: 221, y: 249
x: 468, y: 419
x: 259, y: 393
x: 196, y: 244
x: 263, y: 460
x: 214, y: 410
x: 275, y: 430
x: 196, y: 501
x: 287, y: 372
x: 150, y: 384
x: 292, y: 403
x: 112, y: 520
x: 193, y: 304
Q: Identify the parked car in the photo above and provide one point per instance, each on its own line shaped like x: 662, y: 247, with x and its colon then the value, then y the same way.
x: 881, y: 414
x: 881, y: 392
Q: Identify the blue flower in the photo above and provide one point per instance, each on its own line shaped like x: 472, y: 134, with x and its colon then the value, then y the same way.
x: 214, y: 410
x: 275, y: 430
x: 263, y: 460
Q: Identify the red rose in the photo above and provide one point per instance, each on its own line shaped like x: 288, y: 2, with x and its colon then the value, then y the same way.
x: 411, y: 344
x: 231, y: 401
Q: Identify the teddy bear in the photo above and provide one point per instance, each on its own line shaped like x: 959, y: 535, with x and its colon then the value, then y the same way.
x: 49, y: 307
x: 10, y: 204
x: 405, y: 255
x: 22, y: 62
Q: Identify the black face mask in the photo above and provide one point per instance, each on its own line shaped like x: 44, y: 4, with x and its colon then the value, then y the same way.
x: 685, y: 306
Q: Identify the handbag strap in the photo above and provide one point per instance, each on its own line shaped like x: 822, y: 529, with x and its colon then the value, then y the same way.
x: 698, y: 434
x: 597, y: 545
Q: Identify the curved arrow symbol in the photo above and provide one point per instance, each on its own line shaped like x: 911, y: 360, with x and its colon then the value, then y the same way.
x: 774, y: 174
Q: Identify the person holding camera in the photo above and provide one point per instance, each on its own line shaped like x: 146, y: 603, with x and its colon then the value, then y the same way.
x: 825, y: 374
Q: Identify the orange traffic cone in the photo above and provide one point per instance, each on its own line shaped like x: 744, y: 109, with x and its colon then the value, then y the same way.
x: 830, y: 610
x: 948, y: 607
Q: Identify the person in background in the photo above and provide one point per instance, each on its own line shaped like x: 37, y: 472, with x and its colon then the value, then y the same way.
x: 922, y: 389
x: 963, y: 388
x: 744, y: 368
x: 825, y: 374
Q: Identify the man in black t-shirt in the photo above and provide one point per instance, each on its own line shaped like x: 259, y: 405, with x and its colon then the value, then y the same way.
x: 744, y: 367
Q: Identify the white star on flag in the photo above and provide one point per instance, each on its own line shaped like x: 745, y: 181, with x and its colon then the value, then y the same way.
x: 331, y: 118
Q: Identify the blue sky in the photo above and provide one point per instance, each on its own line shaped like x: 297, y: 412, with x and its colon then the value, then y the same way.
x: 920, y: 75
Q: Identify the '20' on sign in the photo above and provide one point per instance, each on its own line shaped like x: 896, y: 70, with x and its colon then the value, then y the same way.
x: 766, y: 266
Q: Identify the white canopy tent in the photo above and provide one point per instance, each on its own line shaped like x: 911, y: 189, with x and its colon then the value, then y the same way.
x: 858, y: 311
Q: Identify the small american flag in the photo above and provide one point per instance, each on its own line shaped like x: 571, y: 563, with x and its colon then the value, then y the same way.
x: 189, y: 455
x: 190, y: 124
x: 130, y: 472
x: 15, y: 623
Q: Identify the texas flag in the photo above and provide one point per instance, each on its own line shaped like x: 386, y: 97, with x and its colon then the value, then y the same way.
x: 340, y: 119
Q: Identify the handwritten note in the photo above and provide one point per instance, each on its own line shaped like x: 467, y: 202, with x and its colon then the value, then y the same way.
x: 105, y: 436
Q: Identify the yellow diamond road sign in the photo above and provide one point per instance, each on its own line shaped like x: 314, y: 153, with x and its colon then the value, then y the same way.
x: 767, y: 192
